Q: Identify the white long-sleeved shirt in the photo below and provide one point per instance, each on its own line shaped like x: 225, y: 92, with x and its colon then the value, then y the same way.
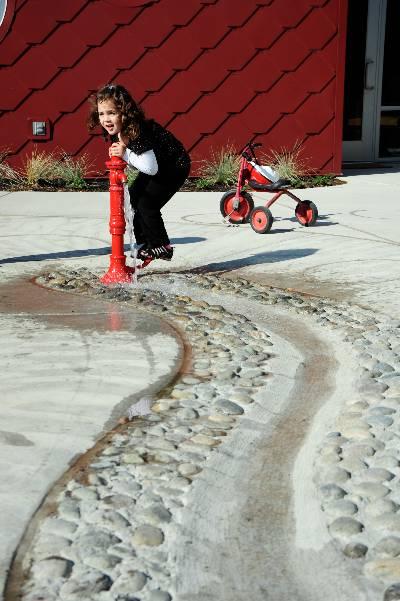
x: 145, y: 162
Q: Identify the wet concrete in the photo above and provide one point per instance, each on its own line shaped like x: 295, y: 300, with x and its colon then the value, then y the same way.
x: 57, y: 309
x: 70, y: 369
x: 305, y: 283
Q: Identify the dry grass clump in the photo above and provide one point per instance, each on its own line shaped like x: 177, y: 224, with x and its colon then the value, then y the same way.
x: 8, y: 173
x: 5, y: 169
x: 221, y: 169
x: 288, y: 162
x: 40, y: 165
x: 42, y: 168
x: 4, y: 154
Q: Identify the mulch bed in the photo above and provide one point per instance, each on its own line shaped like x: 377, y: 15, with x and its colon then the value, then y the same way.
x: 101, y: 184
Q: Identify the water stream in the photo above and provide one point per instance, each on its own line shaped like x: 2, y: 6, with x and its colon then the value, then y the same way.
x: 128, y: 210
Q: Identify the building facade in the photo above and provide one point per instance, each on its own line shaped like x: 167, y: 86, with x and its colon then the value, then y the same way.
x: 217, y: 73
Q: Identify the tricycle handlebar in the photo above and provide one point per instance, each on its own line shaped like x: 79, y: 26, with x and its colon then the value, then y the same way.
x: 250, y: 146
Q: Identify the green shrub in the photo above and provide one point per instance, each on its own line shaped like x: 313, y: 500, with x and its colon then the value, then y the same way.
x: 131, y: 175
x: 204, y: 183
x: 316, y: 181
x: 72, y: 171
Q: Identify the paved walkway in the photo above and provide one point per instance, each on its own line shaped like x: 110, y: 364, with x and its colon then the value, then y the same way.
x: 352, y: 254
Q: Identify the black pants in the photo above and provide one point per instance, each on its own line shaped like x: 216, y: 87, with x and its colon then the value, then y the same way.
x: 148, y: 195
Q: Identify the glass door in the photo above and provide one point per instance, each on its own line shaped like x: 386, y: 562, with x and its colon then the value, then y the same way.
x: 388, y: 130
x: 365, y: 29
x: 371, y: 117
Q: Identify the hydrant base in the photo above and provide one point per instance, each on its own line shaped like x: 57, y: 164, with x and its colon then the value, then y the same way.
x: 118, y: 275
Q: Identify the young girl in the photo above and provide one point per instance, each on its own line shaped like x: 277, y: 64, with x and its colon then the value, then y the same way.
x: 160, y: 158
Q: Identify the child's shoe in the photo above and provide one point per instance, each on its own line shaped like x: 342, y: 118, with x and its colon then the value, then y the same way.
x: 142, y: 253
x: 158, y: 252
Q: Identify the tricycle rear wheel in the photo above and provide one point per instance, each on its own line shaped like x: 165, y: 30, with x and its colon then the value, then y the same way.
x: 240, y: 214
x: 306, y: 213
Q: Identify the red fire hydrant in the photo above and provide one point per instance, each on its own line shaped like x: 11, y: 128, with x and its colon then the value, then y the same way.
x: 118, y: 272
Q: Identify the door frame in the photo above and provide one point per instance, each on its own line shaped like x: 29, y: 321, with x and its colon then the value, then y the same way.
x: 367, y: 149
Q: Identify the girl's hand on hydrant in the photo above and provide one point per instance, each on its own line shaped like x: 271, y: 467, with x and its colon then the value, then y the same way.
x: 117, y: 149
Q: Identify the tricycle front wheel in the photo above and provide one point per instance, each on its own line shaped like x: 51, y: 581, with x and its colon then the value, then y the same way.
x: 239, y: 213
x: 261, y: 220
x: 306, y: 213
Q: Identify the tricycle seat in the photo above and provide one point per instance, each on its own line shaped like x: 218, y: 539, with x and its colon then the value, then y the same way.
x: 281, y: 184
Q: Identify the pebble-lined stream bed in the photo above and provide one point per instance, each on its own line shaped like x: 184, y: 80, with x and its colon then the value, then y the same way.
x: 110, y: 535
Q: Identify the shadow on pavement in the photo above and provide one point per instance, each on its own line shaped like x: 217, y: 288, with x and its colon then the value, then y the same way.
x: 67, y: 254
x: 322, y: 221
x: 260, y: 258
x: 188, y: 240
x: 87, y: 252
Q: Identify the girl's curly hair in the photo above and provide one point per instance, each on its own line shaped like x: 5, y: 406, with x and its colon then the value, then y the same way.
x: 132, y: 114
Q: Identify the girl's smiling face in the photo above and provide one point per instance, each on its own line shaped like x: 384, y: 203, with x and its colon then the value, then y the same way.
x: 109, y: 117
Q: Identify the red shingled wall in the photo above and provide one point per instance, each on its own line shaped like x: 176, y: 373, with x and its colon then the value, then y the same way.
x: 213, y: 71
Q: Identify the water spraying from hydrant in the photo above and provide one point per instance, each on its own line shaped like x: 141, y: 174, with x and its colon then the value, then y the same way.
x: 129, y: 213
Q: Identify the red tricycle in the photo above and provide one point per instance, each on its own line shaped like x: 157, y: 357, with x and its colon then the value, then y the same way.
x: 237, y: 206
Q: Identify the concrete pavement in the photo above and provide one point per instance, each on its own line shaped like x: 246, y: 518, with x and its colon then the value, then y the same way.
x: 69, y: 371
x: 351, y: 254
